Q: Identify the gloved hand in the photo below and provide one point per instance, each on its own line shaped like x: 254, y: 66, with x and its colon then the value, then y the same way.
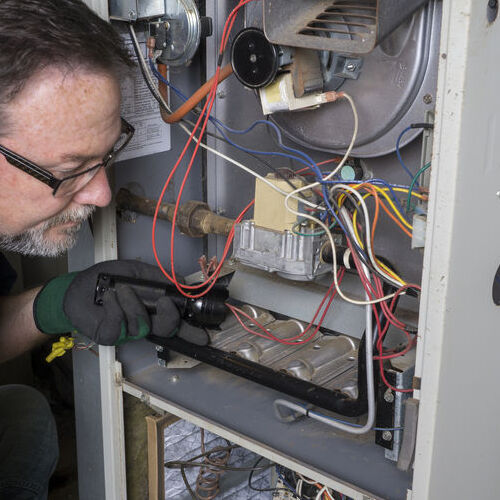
x: 66, y: 304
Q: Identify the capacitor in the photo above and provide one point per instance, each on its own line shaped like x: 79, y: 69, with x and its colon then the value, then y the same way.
x: 254, y: 59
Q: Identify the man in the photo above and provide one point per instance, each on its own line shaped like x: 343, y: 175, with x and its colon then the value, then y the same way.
x: 60, y: 127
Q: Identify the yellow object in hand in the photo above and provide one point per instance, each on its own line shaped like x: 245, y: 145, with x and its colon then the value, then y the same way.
x: 60, y: 347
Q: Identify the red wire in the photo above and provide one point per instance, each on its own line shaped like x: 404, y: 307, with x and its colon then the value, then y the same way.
x: 384, y: 379
x: 213, y: 277
x: 411, y: 342
x: 378, y: 293
x: 290, y: 341
x: 203, y: 116
x: 332, y: 160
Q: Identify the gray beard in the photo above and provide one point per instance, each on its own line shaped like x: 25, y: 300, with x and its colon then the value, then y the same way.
x: 34, y: 241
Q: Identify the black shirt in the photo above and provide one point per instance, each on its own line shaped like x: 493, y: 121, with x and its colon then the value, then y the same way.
x: 7, y: 276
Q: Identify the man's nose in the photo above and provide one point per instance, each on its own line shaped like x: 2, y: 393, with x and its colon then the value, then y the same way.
x: 96, y: 192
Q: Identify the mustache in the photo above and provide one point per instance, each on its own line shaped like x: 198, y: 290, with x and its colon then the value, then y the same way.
x: 34, y: 240
x: 78, y: 214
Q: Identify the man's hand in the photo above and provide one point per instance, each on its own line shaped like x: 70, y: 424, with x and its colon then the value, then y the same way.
x: 66, y: 303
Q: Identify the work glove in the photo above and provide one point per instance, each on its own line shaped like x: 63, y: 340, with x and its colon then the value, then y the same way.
x: 66, y: 304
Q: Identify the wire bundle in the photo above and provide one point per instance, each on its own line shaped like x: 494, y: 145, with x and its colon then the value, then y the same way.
x: 328, y: 203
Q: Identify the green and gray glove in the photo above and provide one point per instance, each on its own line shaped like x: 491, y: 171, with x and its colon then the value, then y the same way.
x: 66, y: 304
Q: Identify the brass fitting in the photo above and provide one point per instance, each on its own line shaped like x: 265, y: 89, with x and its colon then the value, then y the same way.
x: 194, y: 218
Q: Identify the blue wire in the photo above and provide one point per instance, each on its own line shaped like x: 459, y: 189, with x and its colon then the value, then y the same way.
x: 165, y: 81
x: 398, y: 153
x: 305, y: 159
x: 285, y: 482
x: 219, y: 127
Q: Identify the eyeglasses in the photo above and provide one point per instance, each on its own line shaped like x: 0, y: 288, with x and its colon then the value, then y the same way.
x: 72, y: 183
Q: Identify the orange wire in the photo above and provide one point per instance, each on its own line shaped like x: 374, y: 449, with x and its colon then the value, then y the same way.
x: 395, y: 219
x: 374, y: 193
x: 384, y: 206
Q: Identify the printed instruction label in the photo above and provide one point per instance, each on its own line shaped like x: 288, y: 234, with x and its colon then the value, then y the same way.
x: 140, y: 109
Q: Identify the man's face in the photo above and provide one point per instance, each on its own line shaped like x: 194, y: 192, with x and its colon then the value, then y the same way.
x: 64, y: 122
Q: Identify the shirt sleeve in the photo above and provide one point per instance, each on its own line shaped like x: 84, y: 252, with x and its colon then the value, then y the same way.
x: 7, y: 276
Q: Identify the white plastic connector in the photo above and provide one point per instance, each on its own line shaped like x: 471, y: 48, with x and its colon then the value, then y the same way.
x: 279, y: 96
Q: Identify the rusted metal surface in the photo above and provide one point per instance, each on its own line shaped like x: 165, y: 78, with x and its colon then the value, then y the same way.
x: 194, y: 218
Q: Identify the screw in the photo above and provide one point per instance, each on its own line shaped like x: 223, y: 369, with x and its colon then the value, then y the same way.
x: 174, y: 379
x: 389, y: 396
x: 162, y: 362
x: 159, y: 348
x: 387, y: 436
x: 221, y: 94
x: 167, y: 25
x: 350, y: 67
x: 427, y: 98
x: 498, y: 194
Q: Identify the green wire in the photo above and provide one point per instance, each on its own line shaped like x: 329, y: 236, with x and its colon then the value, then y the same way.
x: 412, y: 185
x: 321, y: 233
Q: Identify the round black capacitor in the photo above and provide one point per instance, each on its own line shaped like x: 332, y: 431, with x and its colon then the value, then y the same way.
x: 254, y: 59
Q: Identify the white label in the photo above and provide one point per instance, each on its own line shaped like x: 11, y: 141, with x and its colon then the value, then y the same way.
x: 139, y: 107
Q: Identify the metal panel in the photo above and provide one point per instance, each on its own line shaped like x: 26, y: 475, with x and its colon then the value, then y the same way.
x: 88, y: 426
x: 243, y: 412
x: 105, y: 245
x: 133, y: 10
x: 229, y: 188
x: 458, y: 443
x: 285, y: 297
x: 99, y: 6
x: 91, y: 482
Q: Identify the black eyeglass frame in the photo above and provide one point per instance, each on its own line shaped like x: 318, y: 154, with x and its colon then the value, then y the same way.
x: 46, y: 177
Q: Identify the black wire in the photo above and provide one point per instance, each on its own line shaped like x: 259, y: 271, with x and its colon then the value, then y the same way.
x: 138, y: 54
x: 262, y: 489
x: 174, y: 464
x: 179, y: 464
x: 282, y: 475
x: 364, y: 260
x: 186, y: 483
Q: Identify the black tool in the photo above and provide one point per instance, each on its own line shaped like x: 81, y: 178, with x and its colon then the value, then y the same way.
x: 207, y: 311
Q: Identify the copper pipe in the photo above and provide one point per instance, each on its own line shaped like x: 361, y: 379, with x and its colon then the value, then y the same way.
x: 195, y: 99
x: 194, y: 218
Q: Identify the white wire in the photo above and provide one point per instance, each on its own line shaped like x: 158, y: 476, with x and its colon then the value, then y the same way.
x: 369, y: 243
x: 346, y: 155
x: 308, y: 481
x: 334, y: 260
x: 298, y: 487
x: 321, y: 491
x: 249, y: 170
x: 324, y: 226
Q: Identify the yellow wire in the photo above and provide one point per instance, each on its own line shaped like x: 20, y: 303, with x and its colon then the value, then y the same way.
x: 403, y: 190
x: 394, y: 209
x: 381, y: 191
x: 381, y: 264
